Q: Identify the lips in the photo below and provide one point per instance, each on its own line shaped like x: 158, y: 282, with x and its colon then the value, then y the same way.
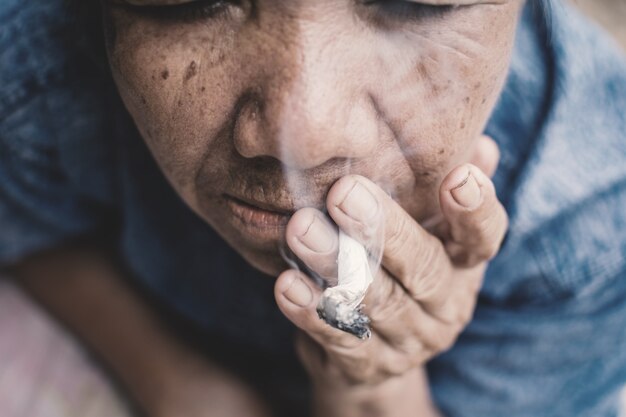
x: 258, y: 215
x: 286, y: 210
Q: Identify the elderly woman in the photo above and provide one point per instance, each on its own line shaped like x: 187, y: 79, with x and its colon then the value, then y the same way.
x: 174, y: 184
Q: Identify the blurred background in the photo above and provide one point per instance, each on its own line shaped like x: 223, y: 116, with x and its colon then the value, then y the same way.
x: 62, y: 379
x: 609, y: 13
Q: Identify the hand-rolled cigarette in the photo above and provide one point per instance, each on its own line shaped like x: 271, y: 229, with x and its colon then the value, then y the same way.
x: 340, y: 305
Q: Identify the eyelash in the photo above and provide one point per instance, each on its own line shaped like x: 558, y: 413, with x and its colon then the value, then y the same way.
x: 405, y: 10
x: 190, y: 11
x: 206, y: 9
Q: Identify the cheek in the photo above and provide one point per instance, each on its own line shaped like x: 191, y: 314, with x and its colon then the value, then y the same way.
x: 440, y: 91
x: 178, y: 88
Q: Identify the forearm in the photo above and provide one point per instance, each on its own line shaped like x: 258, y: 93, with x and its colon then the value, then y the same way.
x: 404, y: 396
x: 84, y: 290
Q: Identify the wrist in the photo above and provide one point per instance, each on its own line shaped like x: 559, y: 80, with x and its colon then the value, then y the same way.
x: 398, y: 396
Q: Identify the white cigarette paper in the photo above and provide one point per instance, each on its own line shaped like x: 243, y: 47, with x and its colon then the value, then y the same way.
x: 340, y: 305
x: 354, y: 275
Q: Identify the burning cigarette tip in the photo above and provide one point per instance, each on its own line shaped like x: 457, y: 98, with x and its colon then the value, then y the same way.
x: 352, y: 321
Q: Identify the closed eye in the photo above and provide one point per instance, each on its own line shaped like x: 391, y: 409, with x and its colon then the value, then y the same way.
x: 409, y: 10
x: 188, y: 11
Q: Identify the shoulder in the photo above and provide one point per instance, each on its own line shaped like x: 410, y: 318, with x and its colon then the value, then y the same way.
x: 566, y: 189
x: 33, y: 47
x: 580, y: 148
x: 55, y: 101
x: 57, y: 156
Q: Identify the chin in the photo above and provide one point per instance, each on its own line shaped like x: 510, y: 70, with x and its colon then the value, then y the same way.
x: 267, y: 263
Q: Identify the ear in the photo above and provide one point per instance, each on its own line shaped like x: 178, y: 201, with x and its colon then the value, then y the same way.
x: 486, y: 155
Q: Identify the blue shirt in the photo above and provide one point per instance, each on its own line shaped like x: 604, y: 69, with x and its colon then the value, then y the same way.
x: 549, y: 334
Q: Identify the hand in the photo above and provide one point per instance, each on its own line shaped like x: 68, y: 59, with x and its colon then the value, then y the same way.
x: 424, y: 293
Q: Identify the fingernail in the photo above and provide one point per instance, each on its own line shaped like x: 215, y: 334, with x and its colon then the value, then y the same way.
x: 319, y: 237
x: 360, y: 204
x: 467, y: 192
x: 299, y: 293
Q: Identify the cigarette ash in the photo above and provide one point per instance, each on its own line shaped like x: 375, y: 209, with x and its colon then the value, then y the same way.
x: 340, y: 306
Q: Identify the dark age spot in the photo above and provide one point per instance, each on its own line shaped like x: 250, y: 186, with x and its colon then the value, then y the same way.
x: 191, y: 72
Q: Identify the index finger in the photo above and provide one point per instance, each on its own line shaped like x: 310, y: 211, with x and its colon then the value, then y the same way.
x: 414, y: 257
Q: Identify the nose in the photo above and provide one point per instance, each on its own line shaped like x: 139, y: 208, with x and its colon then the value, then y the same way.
x: 310, y: 109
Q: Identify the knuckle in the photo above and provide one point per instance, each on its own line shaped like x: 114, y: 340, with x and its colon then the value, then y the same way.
x: 444, y: 334
x: 390, y: 300
x: 491, y: 250
x: 365, y: 372
x: 414, y: 349
x: 426, y: 280
x: 464, y: 317
x: 443, y: 339
x: 487, y: 251
x: 399, y: 235
x: 399, y: 365
x: 341, y: 341
x: 458, y: 310
x: 344, y: 346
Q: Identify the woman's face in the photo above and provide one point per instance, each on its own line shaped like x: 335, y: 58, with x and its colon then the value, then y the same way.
x: 254, y: 108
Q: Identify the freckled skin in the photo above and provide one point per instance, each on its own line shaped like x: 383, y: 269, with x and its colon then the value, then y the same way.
x: 276, y: 102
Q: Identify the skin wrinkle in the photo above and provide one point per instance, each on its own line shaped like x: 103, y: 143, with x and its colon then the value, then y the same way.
x: 416, y: 170
x: 463, y: 122
x: 467, y: 38
x: 400, y: 166
x: 333, y: 93
x: 456, y: 49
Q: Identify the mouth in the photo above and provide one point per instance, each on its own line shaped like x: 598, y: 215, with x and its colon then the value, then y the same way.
x: 259, y: 219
